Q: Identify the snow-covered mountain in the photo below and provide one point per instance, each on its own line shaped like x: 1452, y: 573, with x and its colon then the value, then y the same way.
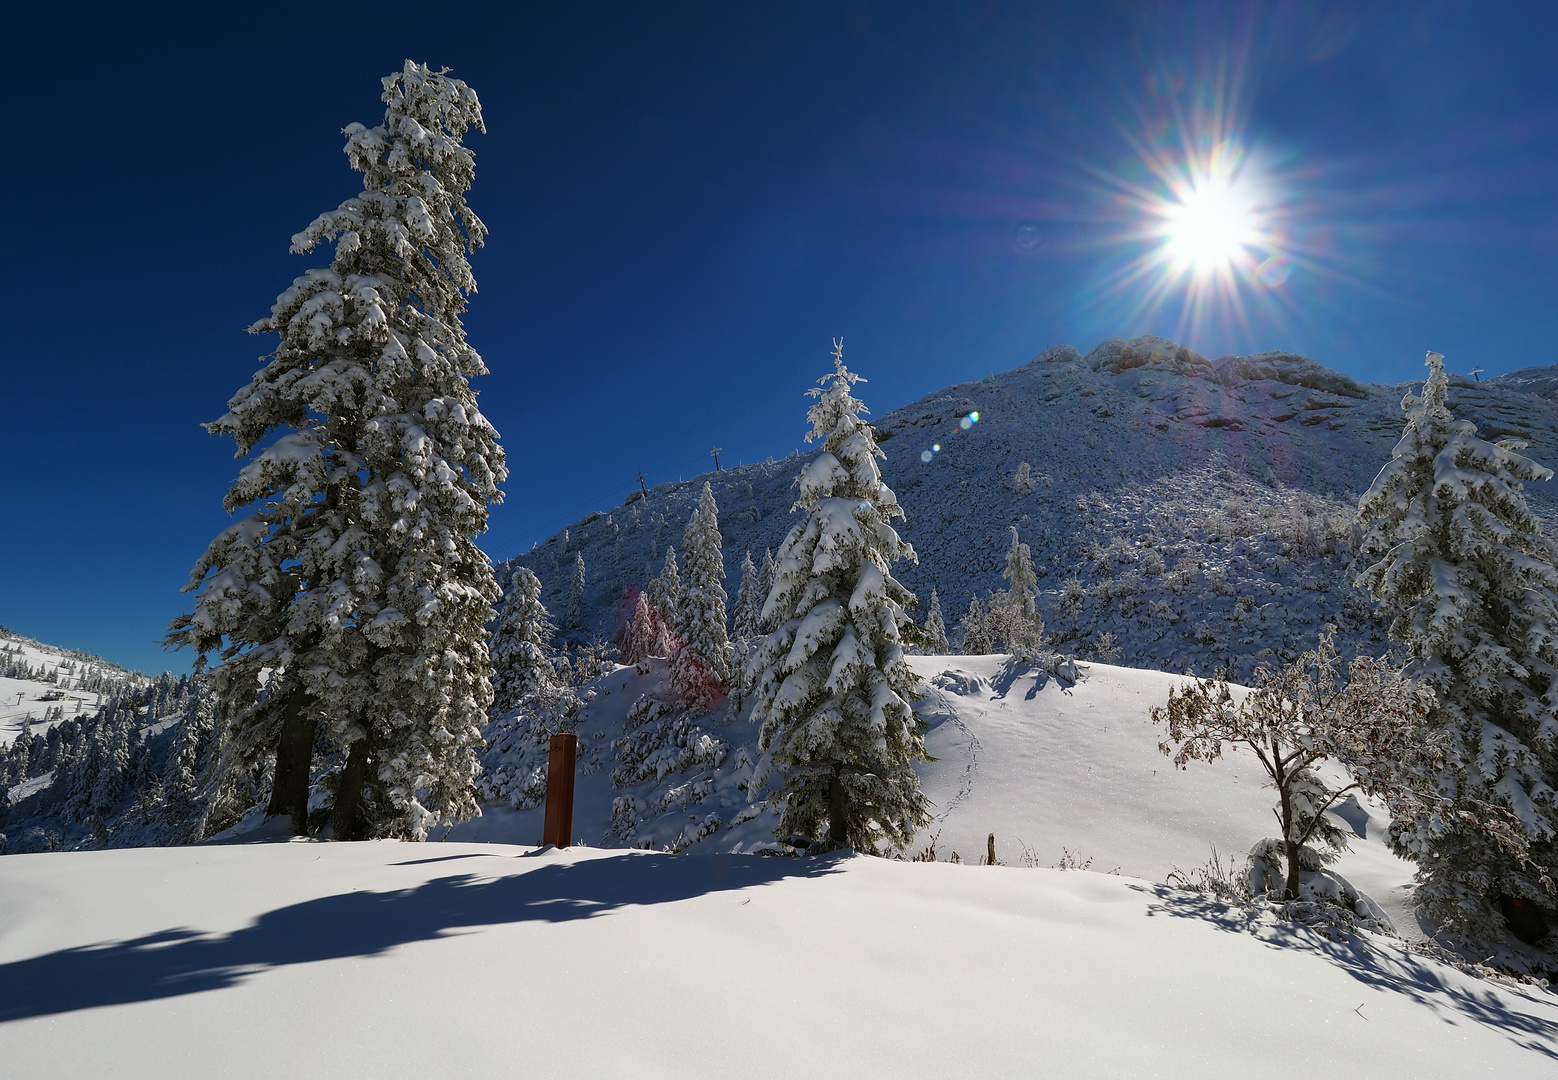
x: 1198, y: 511
x: 40, y: 685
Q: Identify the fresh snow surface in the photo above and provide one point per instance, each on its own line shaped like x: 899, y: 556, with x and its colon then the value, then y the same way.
x: 1050, y: 767
x: 454, y: 960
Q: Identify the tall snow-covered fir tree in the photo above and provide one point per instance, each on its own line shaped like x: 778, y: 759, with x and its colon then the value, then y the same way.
x: 520, y: 646
x: 831, y: 687
x: 1452, y: 552
x: 353, y: 577
x: 700, y: 670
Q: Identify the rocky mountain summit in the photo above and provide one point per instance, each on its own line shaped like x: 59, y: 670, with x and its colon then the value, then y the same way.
x: 1185, y: 513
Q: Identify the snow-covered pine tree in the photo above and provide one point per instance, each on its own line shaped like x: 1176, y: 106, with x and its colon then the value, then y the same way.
x: 521, y: 660
x: 578, y: 618
x: 665, y: 598
x: 355, y: 577
x: 832, y: 688
x: 749, y: 602
x: 1452, y: 552
x: 637, y: 634
x: 181, y: 778
x: 765, y: 582
x: 974, y: 630
x: 21, y: 753
x: 1014, y: 615
x: 700, y: 669
x: 1023, y: 583
x: 936, y: 627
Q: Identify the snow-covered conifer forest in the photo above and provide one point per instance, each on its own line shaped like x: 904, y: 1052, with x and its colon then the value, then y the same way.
x: 1101, y: 625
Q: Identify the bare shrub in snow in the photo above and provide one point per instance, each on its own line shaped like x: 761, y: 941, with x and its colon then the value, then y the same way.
x: 1292, y: 720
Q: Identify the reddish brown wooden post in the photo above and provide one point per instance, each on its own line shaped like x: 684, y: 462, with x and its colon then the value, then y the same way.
x: 558, y: 827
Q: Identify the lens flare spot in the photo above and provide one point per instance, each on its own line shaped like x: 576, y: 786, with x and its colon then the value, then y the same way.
x: 965, y: 423
x: 974, y: 416
x: 1274, y: 271
x: 936, y: 447
x: 926, y: 455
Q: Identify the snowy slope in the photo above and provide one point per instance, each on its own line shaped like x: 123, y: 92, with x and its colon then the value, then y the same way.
x: 462, y: 960
x: 1197, y: 510
x: 61, y: 683
x: 1050, y: 767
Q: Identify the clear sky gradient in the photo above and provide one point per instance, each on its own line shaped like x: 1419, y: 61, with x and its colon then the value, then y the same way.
x: 688, y: 201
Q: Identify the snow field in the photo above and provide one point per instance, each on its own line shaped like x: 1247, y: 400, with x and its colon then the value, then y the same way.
x: 471, y: 960
x: 1050, y: 767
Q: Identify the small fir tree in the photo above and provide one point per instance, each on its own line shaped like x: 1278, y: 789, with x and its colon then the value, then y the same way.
x: 700, y: 669
x: 1452, y: 552
x: 1014, y: 615
x: 831, y: 686
x: 637, y: 633
x: 578, y: 618
x: 936, y: 628
x: 749, y: 601
x: 355, y: 580
x: 522, y: 663
x: 665, y: 597
x: 974, y: 630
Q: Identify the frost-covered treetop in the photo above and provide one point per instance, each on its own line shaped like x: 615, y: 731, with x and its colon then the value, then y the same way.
x: 1446, y: 493
x: 385, y: 317
x: 1463, y: 465
x: 847, y: 466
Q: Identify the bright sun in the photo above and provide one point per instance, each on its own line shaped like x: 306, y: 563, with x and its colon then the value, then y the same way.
x: 1209, y: 226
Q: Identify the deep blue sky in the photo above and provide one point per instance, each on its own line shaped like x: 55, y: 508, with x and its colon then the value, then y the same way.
x: 687, y: 201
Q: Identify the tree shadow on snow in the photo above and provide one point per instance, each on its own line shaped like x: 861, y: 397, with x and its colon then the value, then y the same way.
x: 1384, y: 966
x: 1014, y: 671
x: 181, y: 961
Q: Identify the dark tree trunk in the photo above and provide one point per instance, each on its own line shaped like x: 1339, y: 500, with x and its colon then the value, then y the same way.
x: 838, y: 826
x: 346, y: 816
x: 294, y: 755
x: 1290, y: 846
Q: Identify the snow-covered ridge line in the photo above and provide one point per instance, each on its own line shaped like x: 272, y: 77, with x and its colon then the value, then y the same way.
x: 1197, y: 512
